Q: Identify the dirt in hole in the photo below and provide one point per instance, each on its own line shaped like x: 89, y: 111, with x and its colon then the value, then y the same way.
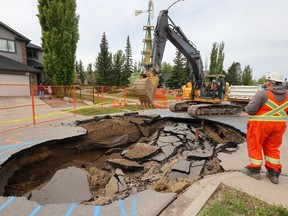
x: 162, y: 145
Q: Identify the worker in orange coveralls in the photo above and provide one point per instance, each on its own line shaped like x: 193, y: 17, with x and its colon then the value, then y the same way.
x: 267, y: 111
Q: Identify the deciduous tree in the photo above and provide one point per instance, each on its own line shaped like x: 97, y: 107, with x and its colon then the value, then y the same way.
x: 59, y: 28
x: 217, y: 58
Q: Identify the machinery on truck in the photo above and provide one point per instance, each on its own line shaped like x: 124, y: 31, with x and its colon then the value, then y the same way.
x: 242, y: 94
x: 204, y: 95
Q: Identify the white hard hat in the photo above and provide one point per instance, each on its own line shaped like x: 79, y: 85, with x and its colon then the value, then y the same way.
x: 275, y: 76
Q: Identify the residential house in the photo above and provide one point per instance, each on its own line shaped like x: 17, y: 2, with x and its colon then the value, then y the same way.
x: 20, y: 63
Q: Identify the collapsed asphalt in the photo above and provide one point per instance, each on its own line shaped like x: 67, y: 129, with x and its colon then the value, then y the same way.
x: 122, y: 156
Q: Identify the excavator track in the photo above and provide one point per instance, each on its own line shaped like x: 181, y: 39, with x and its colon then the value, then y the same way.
x: 214, y: 110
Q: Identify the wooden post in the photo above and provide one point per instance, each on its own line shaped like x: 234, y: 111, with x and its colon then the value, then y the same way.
x: 74, y: 99
x: 33, y: 104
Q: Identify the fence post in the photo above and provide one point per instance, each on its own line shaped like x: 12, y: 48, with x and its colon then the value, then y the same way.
x: 102, y: 97
x: 125, y: 99
x: 74, y: 99
x: 33, y: 104
x: 93, y: 95
x: 165, y: 98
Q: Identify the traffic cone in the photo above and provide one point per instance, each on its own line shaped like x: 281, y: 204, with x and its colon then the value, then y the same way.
x: 114, y: 104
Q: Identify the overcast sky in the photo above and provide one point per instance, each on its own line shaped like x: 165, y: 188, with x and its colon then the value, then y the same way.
x: 255, y: 32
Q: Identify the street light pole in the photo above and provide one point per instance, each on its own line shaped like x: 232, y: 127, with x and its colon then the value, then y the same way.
x: 173, y: 4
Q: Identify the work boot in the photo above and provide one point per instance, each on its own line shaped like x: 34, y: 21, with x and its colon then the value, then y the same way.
x: 273, y: 176
x: 252, y: 172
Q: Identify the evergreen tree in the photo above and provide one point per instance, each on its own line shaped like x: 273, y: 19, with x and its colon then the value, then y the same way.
x: 247, y: 76
x: 128, y: 66
x: 80, y: 73
x: 103, y: 64
x: 187, y: 75
x: 164, y: 73
x: 217, y: 58
x: 176, y: 78
x: 117, y: 68
x: 59, y: 28
x: 234, y: 74
x: 135, y: 75
x: 90, y: 76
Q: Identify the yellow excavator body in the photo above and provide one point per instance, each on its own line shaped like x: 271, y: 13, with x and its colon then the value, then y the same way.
x: 204, y: 96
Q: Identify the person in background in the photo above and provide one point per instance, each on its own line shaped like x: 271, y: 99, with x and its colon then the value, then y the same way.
x: 41, y: 91
x: 267, y: 111
x: 49, y: 90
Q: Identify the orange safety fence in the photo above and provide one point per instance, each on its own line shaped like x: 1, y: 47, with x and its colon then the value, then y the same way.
x: 21, y: 106
x: 27, y: 109
x: 160, y: 98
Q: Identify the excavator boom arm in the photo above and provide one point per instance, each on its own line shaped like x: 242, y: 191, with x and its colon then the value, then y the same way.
x: 169, y: 31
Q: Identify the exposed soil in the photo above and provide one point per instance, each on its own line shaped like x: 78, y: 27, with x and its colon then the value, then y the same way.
x: 59, y: 102
x: 108, y: 139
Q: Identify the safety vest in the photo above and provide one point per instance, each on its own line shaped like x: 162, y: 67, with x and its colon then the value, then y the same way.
x: 272, y: 110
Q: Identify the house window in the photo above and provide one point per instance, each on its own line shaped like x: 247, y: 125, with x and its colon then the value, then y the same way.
x: 32, y: 54
x: 7, y: 45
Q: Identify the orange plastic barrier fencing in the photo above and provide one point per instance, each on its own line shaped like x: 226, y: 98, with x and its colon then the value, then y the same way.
x: 160, y: 100
x: 59, y: 102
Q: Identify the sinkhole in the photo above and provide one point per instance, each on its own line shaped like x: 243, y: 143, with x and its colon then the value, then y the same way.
x: 119, y: 156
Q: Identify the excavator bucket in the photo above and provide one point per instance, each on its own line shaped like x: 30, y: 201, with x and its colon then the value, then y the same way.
x: 145, y: 90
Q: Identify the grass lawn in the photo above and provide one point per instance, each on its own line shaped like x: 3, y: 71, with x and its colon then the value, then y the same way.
x: 227, y: 201
x: 91, y: 111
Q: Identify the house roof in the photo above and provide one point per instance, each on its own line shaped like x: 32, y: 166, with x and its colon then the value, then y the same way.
x: 7, y: 64
x: 34, y: 64
x: 33, y: 46
x: 19, y: 36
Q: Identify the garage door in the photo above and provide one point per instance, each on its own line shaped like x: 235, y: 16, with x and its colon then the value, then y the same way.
x: 15, y: 85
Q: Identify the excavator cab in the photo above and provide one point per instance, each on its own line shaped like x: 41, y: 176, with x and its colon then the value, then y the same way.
x: 213, y: 87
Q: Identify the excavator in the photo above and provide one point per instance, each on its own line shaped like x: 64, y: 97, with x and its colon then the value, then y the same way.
x: 204, y: 95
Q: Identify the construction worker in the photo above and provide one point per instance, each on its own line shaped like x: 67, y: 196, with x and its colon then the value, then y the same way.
x: 214, y: 85
x: 267, y: 123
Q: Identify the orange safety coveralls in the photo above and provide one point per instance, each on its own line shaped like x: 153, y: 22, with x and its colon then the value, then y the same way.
x: 265, y: 131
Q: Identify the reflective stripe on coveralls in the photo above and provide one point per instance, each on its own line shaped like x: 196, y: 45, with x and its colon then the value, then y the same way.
x: 265, y: 131
x: 270, y: 116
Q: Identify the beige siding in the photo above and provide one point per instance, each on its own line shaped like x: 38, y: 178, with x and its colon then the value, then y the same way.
x: 18, y: 56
